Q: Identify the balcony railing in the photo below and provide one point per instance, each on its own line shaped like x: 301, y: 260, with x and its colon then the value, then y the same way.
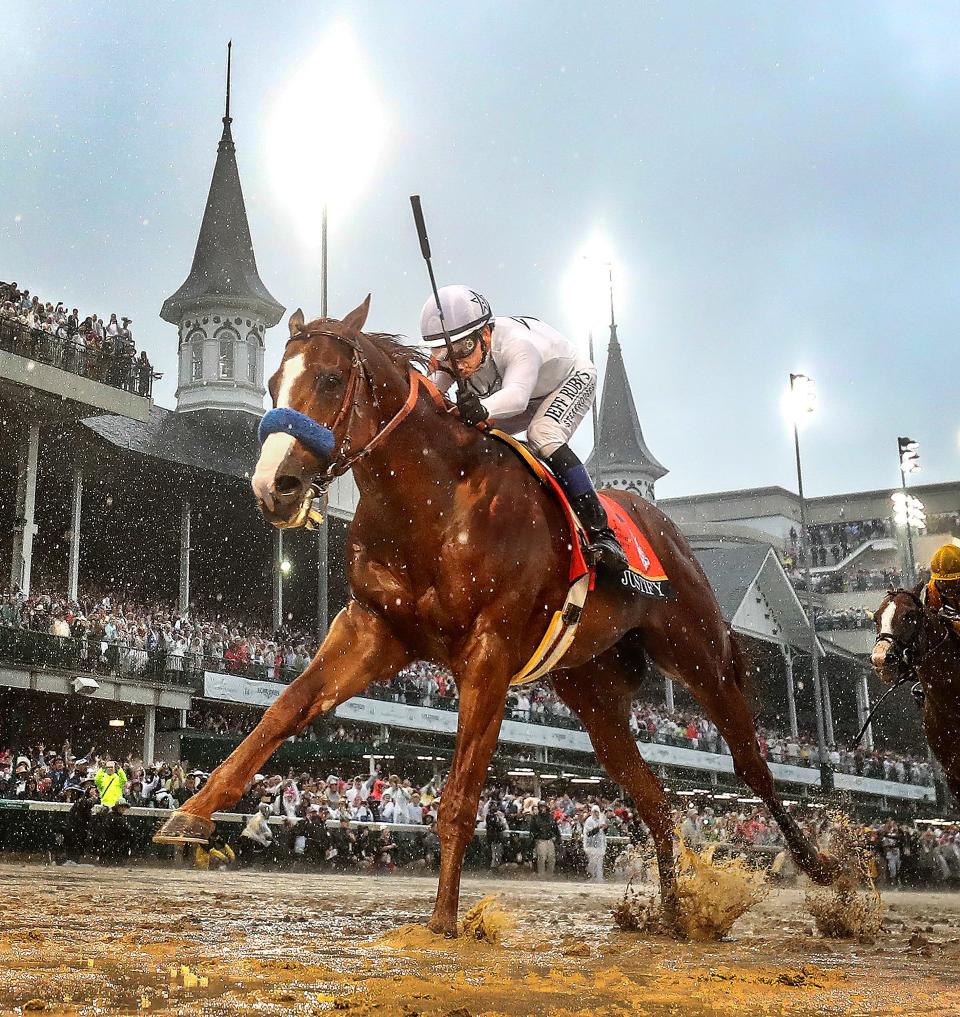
x: 116, y: 370
x: 39, y: 650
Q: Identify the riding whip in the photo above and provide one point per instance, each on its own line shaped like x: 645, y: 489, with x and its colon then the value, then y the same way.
x: 863, y: 730
x: 425, y: 251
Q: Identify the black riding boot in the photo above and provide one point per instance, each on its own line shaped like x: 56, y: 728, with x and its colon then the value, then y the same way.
x: 578, y: 487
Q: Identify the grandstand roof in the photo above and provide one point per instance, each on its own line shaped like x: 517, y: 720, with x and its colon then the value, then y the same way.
x: 222, y: 443
x: 224, y: 267
x: 754, y: 593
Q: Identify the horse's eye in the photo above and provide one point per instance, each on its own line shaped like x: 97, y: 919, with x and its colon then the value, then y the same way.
x: 331, y: 381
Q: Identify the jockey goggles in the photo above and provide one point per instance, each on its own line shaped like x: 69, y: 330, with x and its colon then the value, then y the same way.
x: 469, y: 353
x: 463, y: 348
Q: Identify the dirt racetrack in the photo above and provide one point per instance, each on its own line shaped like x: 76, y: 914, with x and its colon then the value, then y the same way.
x: 88, y: 941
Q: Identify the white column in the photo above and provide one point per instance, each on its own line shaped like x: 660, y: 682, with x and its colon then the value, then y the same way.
x: 864, y: 697
x: 76, y: 505
x: 668, y: 691
x: 323, y: 568
x: 184, y: 597
x: 149, y: 733
x: 791, y: 691
x: 25, y: 528
x: 828, y: 710
x: 277, y: 579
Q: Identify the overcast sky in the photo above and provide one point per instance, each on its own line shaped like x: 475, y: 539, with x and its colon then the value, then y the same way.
x: 778, y: 182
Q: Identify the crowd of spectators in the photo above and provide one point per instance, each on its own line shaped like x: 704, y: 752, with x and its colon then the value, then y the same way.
x: 859, y: 581
x: 842, y: 538
x: 879, y: 764
x: 60, y: 336
x: 385, y: 822
x: 944, y: 522
x: 127, y: 637
x: 842, y: 618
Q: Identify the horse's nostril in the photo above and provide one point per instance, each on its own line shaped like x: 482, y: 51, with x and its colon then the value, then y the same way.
x: 286, y: 486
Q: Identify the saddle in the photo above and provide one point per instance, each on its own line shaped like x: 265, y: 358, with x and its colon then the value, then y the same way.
x: 644, y: 577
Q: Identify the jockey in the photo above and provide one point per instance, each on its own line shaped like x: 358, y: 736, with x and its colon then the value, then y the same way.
x: 943, y: 590
x: 525, y: 376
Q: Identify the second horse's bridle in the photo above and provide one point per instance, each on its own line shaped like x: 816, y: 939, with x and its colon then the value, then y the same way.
x: 907, y: 650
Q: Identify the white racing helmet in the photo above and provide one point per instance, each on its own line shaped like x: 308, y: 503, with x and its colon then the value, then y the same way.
x: 464, y: 311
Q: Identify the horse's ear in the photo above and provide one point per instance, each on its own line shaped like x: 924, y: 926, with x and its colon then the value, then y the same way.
x: 295, y: 324
x: 357, y: 318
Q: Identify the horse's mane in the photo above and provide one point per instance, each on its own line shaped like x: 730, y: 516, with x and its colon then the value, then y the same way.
x: 397, y: 351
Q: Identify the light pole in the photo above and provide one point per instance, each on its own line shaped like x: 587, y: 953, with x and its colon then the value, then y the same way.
x: 329, y: 104
x: 803, y: 399
x: 323, y: 529
x: 908, y: 511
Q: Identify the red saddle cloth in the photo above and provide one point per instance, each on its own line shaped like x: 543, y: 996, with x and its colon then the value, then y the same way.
x: 646, y: 575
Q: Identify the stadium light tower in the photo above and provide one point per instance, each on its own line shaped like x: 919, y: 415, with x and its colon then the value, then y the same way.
x: 907, y: 510
x: 802, y: 402
x: 325, y: 134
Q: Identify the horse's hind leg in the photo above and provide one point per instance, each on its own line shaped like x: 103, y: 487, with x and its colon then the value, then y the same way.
x: 717, y: 683
x: 600, y: 692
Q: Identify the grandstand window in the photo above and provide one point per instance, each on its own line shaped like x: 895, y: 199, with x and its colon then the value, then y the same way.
x: 196, y: 361
x: 252, y: 345
x: 226, y: 358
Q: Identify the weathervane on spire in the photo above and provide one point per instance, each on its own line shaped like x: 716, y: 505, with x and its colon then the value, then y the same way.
x: 226, y: 115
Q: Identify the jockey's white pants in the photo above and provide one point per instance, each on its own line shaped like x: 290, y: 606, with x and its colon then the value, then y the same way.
x: 551, y: 421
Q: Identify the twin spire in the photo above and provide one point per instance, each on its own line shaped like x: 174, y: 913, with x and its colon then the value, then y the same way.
x: 224, y: 270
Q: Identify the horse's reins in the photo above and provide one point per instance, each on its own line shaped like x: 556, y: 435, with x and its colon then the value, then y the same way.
x: 321, y: 439
x: 909, y: 661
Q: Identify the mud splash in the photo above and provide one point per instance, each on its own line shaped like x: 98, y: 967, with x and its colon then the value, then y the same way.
x: 486, y: 921
x: 713, y: 894
x: 844, y: 910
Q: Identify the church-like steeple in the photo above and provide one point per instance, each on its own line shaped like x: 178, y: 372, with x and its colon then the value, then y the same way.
x: 223, y: 307
x: 620, y: 456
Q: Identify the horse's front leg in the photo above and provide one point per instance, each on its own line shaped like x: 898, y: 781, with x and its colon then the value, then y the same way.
x: 360, y: 648
x: 482, y: 678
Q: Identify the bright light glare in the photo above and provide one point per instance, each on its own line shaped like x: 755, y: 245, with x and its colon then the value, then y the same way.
x: 586, y: 286
x: 908, y: 509
x: 326, y: 129
x: 800, y: 399
x: 285, y: 566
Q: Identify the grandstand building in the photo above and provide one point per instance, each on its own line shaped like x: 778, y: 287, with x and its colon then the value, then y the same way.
x: 113, y: 494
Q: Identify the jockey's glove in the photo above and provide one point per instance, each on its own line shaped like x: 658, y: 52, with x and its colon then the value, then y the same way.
x: 472, y: 411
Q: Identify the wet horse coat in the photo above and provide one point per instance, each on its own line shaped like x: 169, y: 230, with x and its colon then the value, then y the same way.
x: 457, y: 554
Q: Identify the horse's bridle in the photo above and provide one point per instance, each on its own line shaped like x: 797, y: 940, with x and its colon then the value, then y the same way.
x: 321, y: 438
x: 907, y: 652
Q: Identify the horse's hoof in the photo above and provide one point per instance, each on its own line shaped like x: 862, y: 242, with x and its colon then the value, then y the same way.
x: 670, y: 924
x: 441, y: 928
x: 185, y: 828
x: 825, y: 870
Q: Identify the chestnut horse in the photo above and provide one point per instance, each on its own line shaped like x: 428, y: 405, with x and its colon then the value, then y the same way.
x: 458, y: 554
x: 914, y: 641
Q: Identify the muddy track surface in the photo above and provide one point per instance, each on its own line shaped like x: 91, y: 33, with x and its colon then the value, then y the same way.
x: 91, y: 941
